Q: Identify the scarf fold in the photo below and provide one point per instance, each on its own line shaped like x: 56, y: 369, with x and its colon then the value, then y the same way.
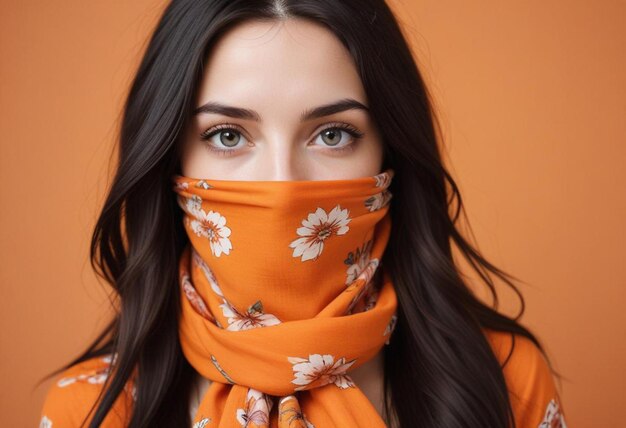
x: 283, y: 293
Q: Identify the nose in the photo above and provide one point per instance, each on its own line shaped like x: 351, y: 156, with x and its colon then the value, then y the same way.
x: 283, y: 162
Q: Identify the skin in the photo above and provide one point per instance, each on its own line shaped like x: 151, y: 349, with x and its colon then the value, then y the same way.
x: 279, y: 70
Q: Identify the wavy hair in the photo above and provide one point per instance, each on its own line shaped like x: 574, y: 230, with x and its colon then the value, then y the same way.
x: 138, y: 236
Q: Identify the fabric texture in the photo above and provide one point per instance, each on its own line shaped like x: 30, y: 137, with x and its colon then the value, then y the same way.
x: 534, y: 397
x: 284, y: 294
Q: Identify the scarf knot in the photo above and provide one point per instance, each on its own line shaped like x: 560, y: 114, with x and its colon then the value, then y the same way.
x: 283, y: 293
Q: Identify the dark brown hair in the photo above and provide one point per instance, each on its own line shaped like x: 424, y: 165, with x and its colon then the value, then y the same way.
x: 138, y: 237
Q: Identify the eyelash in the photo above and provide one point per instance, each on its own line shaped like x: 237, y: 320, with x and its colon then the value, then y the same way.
x: 354, y: 133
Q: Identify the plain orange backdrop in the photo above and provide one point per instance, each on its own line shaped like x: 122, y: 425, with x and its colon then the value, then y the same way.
x: 531, y: 96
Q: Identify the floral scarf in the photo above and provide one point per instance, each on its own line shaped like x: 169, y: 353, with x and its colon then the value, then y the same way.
x: 283, y: 293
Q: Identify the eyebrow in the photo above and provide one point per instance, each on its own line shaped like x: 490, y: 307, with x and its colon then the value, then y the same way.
x: 314, y: 113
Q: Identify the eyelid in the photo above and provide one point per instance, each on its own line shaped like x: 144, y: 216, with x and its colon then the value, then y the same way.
x: 343, y: 126
x: 350, y: 129
x: 205, y: 135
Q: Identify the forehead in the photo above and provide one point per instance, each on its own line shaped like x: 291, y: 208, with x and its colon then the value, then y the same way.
x: 296, y: 59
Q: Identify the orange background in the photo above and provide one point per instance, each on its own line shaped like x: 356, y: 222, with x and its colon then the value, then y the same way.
x: 531, y: 97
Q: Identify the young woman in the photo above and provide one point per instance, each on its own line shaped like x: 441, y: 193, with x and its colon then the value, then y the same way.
x: 279, y: 235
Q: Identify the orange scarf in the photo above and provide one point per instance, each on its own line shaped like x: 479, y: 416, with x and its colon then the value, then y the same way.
x: 283, y: 295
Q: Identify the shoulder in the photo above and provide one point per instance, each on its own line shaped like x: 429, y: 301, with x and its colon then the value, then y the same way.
x: 73, y: 393
x: 532, y: 390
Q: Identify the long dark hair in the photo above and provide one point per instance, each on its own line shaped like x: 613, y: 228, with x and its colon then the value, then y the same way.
x: 138, y: 237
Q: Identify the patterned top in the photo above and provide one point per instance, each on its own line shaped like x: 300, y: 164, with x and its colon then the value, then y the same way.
x: 532, y: 390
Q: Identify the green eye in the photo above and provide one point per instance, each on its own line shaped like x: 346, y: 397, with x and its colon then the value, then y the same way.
x: 339, y: 137
x: 226, y: 144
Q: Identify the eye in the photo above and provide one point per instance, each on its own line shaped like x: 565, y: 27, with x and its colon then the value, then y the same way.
x: 228, y: 139
x: 224, y: 139
x: 339, y: 137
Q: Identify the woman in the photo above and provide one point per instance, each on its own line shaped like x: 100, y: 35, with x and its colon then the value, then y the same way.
x: 278, y: 234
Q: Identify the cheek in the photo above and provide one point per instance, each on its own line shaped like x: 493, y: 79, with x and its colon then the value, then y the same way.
x: 366, y: 160
x: 371, y: 160
x: 195, y: 160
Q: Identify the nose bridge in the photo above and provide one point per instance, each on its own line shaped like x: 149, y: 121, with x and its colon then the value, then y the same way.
x: 282, y: 158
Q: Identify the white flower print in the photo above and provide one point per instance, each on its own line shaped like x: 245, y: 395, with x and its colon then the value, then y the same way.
x: 378, y: 201
x: 322, y: 370
x: 390, y: 327
x: 357, y: 261
x: 553, y: 417
x: 366, y: 274
x: 383, y: 179
x: 194, y: 298
x: 257, y: 409
x: 208, y: 273
x: 317, y: 228
x: 181, y: 185
x: 202, y: 423
x: 212, y: 225
x: 202, y: 184
x: 253, y: 317
x: 193, y: 204
x: 97, y: 376
x: 45, y: 422
x: 371, y: 297
x: 292, y: 412
x: 111, y: 358
x: 367, y: 277
x: 94, y: 377
x: 133, y: 392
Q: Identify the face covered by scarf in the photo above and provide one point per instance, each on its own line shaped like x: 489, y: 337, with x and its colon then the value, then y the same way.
x: 283, y: 293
